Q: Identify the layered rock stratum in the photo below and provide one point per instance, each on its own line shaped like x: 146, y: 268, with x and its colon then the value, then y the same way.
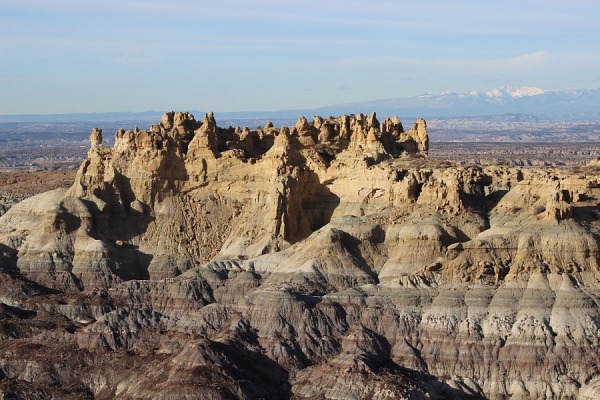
x: 192, y: 261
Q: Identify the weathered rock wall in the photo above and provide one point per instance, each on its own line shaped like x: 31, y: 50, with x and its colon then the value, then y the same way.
x: 322, y: 256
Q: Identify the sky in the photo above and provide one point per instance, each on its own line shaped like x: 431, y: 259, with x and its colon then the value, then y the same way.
x: 73, y: 56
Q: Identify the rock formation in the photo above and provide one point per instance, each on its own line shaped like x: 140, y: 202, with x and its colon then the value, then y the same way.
x: 320, y: 261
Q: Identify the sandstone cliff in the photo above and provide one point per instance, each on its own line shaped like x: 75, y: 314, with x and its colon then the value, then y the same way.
x: 194, y: 261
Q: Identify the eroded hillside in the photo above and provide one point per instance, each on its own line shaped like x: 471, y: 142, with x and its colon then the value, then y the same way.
x: 192, y: 261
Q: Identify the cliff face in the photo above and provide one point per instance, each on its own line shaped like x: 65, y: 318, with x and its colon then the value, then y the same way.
x: 199, y: 262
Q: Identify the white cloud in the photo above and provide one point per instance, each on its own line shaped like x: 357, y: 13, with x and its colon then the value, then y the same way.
x: 525, y: 62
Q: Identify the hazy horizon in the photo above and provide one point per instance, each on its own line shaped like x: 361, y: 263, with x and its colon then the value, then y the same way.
x: 66, y: 56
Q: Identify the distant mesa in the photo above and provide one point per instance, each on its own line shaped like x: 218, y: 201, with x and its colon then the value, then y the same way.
x: 573, y: 104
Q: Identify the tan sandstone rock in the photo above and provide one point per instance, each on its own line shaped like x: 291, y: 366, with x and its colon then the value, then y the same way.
x: 331, y: 257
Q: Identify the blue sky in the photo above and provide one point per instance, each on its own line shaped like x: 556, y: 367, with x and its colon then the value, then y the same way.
x: 67, y: 56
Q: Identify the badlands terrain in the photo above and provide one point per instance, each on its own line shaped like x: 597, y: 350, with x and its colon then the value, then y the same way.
x: 333, y: 260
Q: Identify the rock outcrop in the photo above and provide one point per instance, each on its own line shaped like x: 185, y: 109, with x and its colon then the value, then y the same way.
x: 331, y: 257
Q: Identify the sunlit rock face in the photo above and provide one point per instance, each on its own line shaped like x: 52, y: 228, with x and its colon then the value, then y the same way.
x: 329, y: 260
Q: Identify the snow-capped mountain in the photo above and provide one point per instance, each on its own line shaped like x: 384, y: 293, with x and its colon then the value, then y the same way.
x: 496, y: 95
x: 503, y: 93
x: 536, y: 102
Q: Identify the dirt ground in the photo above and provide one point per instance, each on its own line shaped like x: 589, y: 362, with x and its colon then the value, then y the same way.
x: 16, y: 186
x: 28, y: 183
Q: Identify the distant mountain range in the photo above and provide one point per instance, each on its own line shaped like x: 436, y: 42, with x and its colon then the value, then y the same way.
x: 514, y: 102
x: 511, y: 103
